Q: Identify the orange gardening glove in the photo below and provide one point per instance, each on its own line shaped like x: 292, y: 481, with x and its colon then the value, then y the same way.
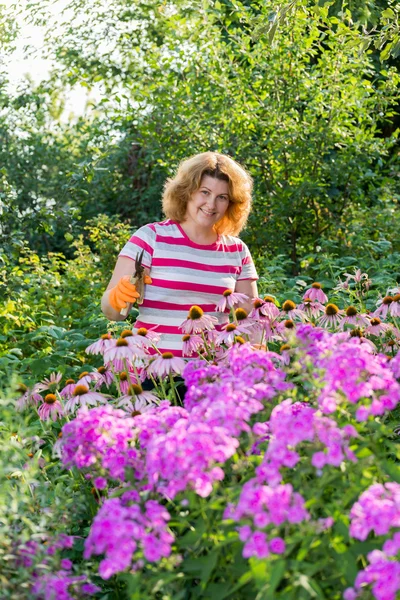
x: 122, y: 294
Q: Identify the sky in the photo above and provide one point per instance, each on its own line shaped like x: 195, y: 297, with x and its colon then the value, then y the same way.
x: 18, y: 65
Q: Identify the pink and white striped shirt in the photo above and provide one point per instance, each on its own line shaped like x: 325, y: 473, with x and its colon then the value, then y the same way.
x: 185, y: 273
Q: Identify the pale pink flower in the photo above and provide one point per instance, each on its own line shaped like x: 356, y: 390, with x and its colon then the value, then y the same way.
x: 311, y: 309
x: 229, y: 299
x: 331, y: 317
x: 165, y: 364
x: 315, y: 294
x: 68, y: 389
x: 122, y: 352
x: 383, y: 307
x: 106, y: 377
x: 50, y: 409
x: 290, y: 311
x: 83, y: 397
x: 231, y: 330
x: 125, y: 380
x: 197, y: 321
x: 394, y: 308
x: 353, y: 317
x: 99, y: 347
x: 191, y: 344
x: 264, y: 308
x: 138, y: 403
x: 29, y: 397
x: 86, y: 377
x: 376, y: 327
x: 50, y: 383
x: 146, y: 338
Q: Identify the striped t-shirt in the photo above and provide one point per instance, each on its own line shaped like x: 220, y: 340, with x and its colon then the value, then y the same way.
x: 184, y: 273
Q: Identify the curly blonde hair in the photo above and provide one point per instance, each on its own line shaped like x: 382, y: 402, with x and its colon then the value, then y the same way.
x: 178, y: 191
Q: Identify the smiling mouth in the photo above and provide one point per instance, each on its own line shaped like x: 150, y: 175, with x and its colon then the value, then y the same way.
x: 209, y: 214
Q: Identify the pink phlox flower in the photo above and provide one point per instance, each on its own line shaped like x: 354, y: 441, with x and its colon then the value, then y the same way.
x: 100, y: 346
x: 167, y: 363
x: 382, y: 574
x: 229, y: 300
x: 315, y: 294
x: 377, y: 510
x: 118, y: 530
x: 186, y: 457
x: 100, y: 438
x: 157, y: 421
x: 264, y: 506
x: 48, y: 383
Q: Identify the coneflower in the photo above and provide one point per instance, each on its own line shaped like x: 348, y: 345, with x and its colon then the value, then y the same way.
x: 311, y: 309
x: 191, y: 344
x: 331, y: 317
x: 353, y: 317
x: 51, y: 408
x: 165, y: 364
x: 83, y: 396
x: 316, y: 294
x: 383, y: 307
x: 229, y: 299
x: 376, y: 327
x: 50, y: 384
x: 197, y: 321
x: 394, y: 307
x: 290, y: 310
x: 68, y: 389
x: 99, y: 347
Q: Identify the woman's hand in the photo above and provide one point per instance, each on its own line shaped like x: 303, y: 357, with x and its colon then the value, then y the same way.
x: 122, y: 294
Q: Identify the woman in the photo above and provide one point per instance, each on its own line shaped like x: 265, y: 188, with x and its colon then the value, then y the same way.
x: 192, y: 257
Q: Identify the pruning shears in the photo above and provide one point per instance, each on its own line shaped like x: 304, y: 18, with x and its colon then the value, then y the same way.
x: 138, y: 280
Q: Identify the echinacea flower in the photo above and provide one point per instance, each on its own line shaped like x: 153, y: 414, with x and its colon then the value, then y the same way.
x: 197, y: 321
x: 137, y: 401
x: 50, y: 383
x: 122, y: 352
x: 394, y: 308
x: 165, y: 364
x: 191, y: 344
x: 99, y: 347
x: 229, y: 299
x: 82, y: 397
x: 146, y: 338
x: 311, y: 309
x: 353, y: 317
x: 106, y: 377
x: 51, y: 408
x: 316, y: 294
x: 376, y: 327
x: 230, y: 331
x: 264, y: 308
x: 383, y: 307
x: 86, y: 377
x: 291, y: 311
x: 68, y: 389
x: 29, y: 397
x: 125, y: 380
x: 332, y: 316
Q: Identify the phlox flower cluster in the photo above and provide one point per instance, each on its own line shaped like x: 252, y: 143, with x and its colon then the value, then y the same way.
x: 102, y: 439
x: 63, y: 586
x: 265, y: 506
x: 348, y: 370
x: 382, y: 574
x: 377, y: 510
x: 122, y: 528
x: 291, y: 424
x: 228, y: 394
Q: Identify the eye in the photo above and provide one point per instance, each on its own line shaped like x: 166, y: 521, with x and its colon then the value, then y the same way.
x: 205, y: 192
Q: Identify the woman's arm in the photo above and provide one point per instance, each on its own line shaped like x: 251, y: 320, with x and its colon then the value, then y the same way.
x: 124, y: 266
x: 248, y: 287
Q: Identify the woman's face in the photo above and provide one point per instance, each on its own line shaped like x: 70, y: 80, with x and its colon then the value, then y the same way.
x: 208, y: 204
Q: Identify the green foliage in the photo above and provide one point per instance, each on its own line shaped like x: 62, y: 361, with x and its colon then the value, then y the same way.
x: 51, y: 305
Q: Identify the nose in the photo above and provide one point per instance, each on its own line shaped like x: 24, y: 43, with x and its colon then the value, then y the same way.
x: 211, y: 202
